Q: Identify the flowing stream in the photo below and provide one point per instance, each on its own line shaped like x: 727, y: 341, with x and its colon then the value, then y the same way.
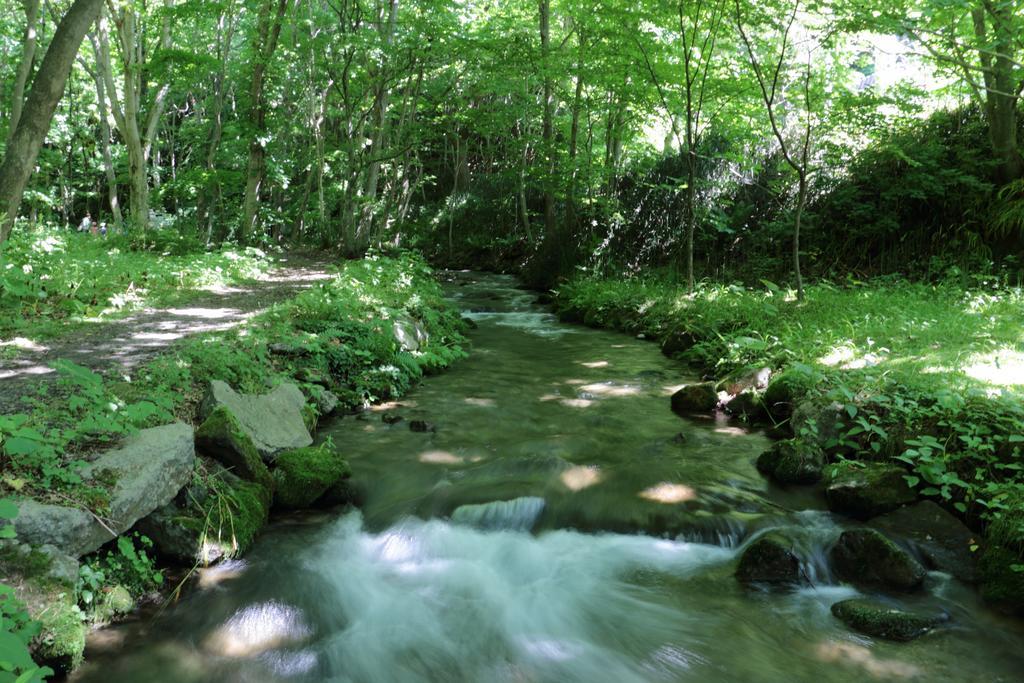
x: 559, y: 524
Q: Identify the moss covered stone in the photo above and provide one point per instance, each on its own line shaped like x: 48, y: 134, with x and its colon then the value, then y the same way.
x: 785, y: 390
x: 61, y: 641
x: 769, y: 559
x: 1001, y: 585
x: 221, y: 437
x: 748, y: 405
x: 866, y: 557
x: 223, y: 525
x: 881, y: 621
x: 695, y: 398
x: 864, y: 490
x: 792, y: 462
x: 303, y: 475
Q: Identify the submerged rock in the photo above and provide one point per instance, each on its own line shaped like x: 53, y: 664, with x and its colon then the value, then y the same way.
x: 866, y: 557
x: 274, y: 421
x: 792, y: 462
x: 422, y: 426
x: 519, y: 514
x: 769, y: 559
x: 695, y: 398
x: 881, y: 621
x: 147, y: 470
x: 222, y: 438
x: 942, y: 540
x: 867, y: 490
x: 303, y: 475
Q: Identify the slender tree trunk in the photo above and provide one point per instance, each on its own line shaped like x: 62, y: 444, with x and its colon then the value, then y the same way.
x: 28, y: 55
x: 268, y: 32
x: 548, y: 123
x: 104, y: 114
x: 800, y: 204
x: 41, y: 102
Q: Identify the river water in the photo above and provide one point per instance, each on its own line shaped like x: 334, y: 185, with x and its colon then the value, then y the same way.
x: 558, y: 524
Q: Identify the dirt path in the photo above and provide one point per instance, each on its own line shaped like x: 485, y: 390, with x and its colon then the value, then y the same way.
x: 129, y: 341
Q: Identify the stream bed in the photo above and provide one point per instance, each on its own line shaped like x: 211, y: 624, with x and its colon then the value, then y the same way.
x: 555, y: 522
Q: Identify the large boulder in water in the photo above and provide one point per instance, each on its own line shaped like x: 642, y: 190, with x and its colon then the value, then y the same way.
x: 792, y: 462
x: 866, y: 490
x: 274, y: 421
x: 148, y: 469
x: 695, y: 398
x: 941, y: 540
x: 881, y: 621
x: 214, y: 519
x: 769, y: 559
x: 304, y: 475
x: 866, y: 557
x: 221, y: 437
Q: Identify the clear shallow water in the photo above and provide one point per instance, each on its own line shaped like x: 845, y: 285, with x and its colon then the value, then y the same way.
x: 569, y: 429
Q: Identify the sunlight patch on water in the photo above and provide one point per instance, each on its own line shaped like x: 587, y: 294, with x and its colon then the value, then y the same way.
x: 610, y: 389
x: 577, y: 402
x: 859, y: 656
x: 580, y: 477
x: 669, y: 493
x: 595, y: 364
x: 258, y: 628
x: 440, y: 458
x: 481, y: 402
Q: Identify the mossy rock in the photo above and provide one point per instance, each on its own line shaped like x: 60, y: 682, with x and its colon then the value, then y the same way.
x: 677, y: 342
x: 792, y: 462
x: 223, y: 525
x: 115, y: 602
x: 866, y: 557
x: 769, y: 559
x: 881, y: 621
x: 785, y: 390
x: 748, y: 405
x: 61, y: 640
x: 754, y: 377
x: 695, y: 398
x: 304, y: 475
x: 866, y: 490
x: 221, y: 437
x: 1001, y: 585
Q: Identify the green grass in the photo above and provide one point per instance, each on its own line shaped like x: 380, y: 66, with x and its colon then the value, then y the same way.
x: 932, y: 376
x: 52, y: 278
x: 340, y: 329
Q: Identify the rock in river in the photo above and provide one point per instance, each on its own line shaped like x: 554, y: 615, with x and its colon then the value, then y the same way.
x: 695, y: 398
x: 792, y: 462
x: 148, y: 470
x: 867, y: 490
x: 769, y: 559
x: 866, y: 557
x: 273, y: 421
x: 881, y: 621
x: 942, y: 540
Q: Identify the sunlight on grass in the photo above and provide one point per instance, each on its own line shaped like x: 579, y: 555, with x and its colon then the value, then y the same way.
x: 1000, y: 368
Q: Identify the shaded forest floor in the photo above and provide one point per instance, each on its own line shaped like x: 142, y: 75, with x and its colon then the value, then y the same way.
x: 126, y: 342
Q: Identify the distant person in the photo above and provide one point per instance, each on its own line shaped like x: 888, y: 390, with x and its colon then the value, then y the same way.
x: 86, y: 225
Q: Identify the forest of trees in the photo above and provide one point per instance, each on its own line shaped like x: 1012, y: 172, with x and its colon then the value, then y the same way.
x: 715, y: 138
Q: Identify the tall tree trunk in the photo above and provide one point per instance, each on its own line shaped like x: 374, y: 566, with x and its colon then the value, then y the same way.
x: 96, y: 72
x: 993, y: 27
x: 28, y: 55
x: 43, y: 96
x: 267, y: 34
x: 548, y: 123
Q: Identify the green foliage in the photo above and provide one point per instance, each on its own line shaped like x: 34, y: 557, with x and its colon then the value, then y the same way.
x: 17, y: 628
x: 127, y: 565
x: 930, y: 375
x: 49, y: 277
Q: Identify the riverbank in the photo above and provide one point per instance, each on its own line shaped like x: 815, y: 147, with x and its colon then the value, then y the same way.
x: 923, y: 378
x: 226, y: 451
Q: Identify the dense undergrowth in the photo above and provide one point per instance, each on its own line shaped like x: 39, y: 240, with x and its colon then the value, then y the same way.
x: 343, y: 328
x: 927, y: 375
x: 50, y: 277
